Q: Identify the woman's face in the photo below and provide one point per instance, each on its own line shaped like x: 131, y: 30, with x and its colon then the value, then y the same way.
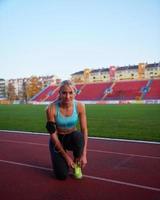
x: 66, y: 94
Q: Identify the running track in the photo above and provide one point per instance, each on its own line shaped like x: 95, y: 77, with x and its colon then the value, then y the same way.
x: 116, y: 170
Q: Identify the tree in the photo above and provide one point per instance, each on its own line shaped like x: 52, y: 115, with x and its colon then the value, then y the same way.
x: 11, y: 93
x: 32, y: 87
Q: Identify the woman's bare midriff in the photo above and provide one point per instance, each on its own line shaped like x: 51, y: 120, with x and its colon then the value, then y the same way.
x: 62, y: 131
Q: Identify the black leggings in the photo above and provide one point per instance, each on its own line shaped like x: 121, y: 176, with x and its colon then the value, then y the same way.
x: 73, y: 142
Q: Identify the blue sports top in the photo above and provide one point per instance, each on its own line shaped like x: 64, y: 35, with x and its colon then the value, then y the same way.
x: 69, y: 121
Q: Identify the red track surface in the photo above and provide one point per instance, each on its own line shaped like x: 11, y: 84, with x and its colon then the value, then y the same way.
x: 115, y: 171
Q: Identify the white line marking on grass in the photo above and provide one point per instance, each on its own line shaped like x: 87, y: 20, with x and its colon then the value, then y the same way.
x: 94, y: 138
x: 91, y: 150
x: 87, y: 176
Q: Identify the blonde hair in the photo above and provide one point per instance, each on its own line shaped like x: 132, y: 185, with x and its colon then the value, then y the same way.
x: 67, y: 83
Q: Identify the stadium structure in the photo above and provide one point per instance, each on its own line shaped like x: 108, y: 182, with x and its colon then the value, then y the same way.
x: 114, y: 85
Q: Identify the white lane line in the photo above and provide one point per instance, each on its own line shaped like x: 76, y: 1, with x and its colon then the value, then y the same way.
x: 91, y: 150
x: 23, y: 142
x: 25, y: 165
x: 87, y: 176
x: 94, y: 138
x: 124, y: 183
x: 124, y: 154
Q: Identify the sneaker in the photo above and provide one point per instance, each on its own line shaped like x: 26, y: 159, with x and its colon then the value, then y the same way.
x: 77, y: 172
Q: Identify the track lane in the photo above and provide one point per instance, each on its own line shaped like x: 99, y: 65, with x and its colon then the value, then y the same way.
x: 114, y: 167
x: 32, y: 183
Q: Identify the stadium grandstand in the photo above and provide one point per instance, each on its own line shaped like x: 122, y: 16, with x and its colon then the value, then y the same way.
x: 127, y: 84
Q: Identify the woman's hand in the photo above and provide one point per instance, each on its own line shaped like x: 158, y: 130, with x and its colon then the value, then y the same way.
x: 83, y: 160
x: 69, y: 161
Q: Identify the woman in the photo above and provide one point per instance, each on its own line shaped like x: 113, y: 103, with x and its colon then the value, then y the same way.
x: 62, y: 118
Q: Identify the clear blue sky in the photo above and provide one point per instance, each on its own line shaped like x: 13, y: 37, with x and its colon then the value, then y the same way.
x: 44, y: 37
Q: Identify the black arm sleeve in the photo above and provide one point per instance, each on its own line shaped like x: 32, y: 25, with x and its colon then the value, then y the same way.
x: 51, y: 127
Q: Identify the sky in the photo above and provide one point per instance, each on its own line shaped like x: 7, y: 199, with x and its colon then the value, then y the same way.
x: 61, y: 37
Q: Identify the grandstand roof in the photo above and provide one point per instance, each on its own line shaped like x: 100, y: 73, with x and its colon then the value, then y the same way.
x: 152, y: 65
x: 129, y: 67
x: 92, y: 71
x: 99, y: 70
x: 78, y: 73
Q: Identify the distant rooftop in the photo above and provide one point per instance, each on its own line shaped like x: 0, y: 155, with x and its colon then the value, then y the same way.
x: 129, y: 67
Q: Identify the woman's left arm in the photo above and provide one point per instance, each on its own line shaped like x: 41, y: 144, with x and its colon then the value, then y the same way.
x: 84, y: 130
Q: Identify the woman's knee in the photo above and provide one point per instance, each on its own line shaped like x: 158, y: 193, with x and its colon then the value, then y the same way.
x: 77, y: 137
x: 60, y: 167
x: 61, y: 170
x: 61, y: 176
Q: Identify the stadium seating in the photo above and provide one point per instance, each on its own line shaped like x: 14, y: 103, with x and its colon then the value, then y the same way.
x: 126, y: 90
x: 120, y: 90
x: 92, y: 91
x: 45, y: 94
x: 154, y: 90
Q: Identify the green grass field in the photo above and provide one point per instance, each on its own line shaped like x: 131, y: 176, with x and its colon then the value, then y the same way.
x: 140, y: 122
